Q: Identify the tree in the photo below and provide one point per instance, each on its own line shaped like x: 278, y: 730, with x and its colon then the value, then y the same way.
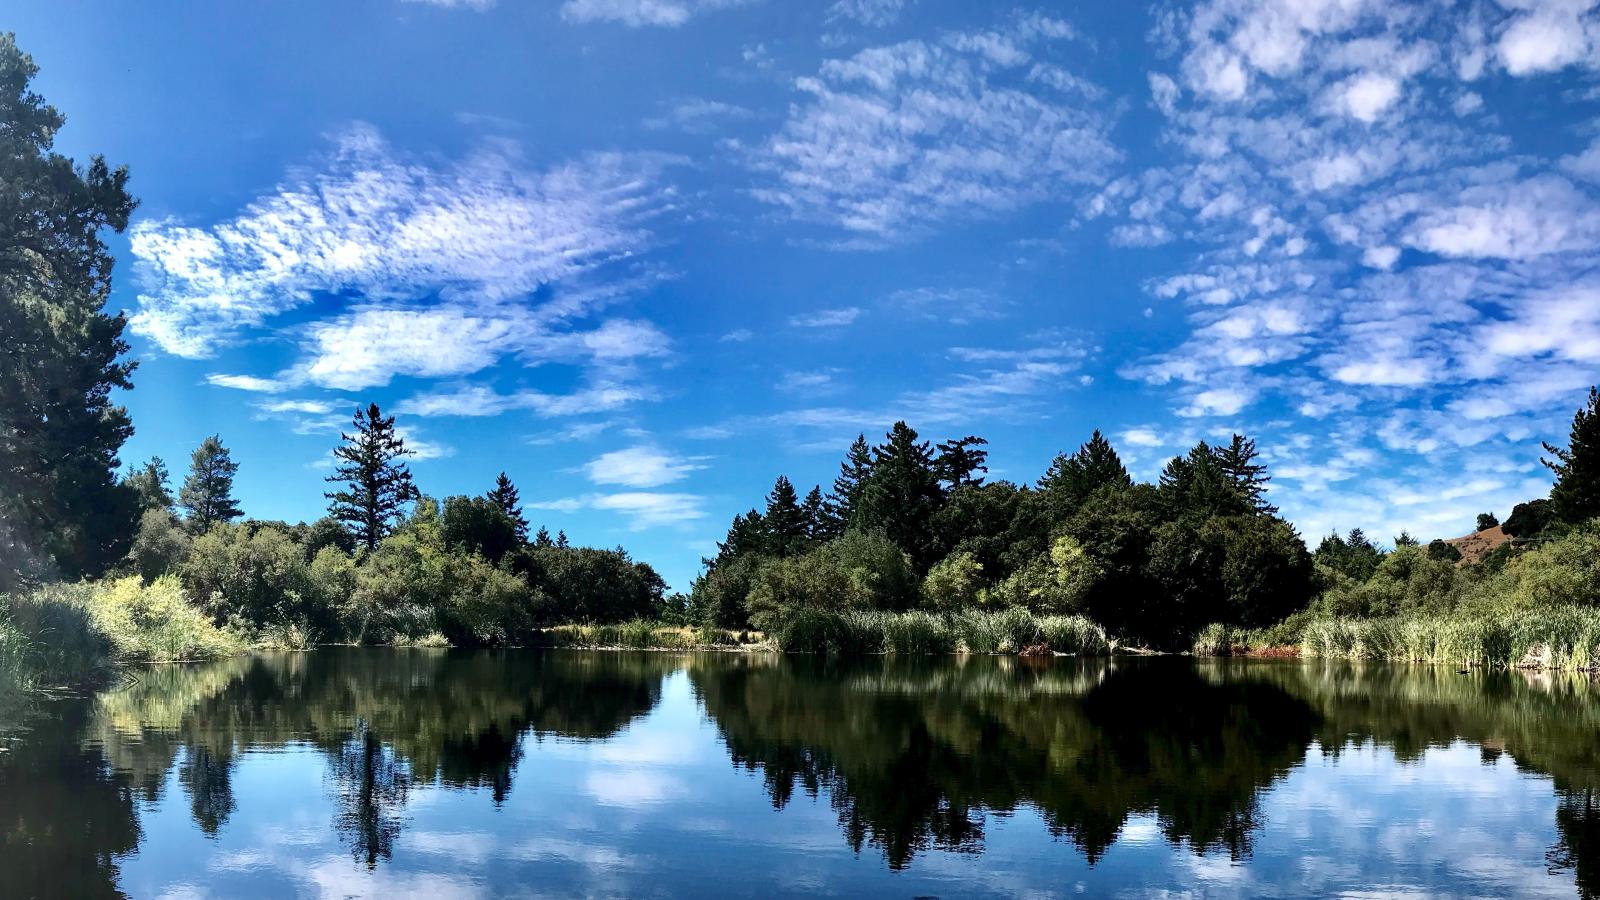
x: 958, y: 461
x: 207, y: 493
x: 1196, y: 485
x: 1487, y: 521
x: 902, y: 494
x: 1576, y: 493
x: 478, y: 525
x: 1071, y: 479
x: 543, y: 538
x: 1238, y: 462
x: 151, y: 483
x: 847, y: 487
x: 1404, y: 539
x: 1444, y: 551
x: 61, y: 356
x: 785, y: 520
x: 506, y: 497
x: 1529, y: 519
x: 818, y: 528
x: 378, y: 483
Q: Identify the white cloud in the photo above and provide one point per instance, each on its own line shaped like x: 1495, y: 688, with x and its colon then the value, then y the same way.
x: 246, y: 383
x: 643, y: 509
x: 958, y: 306
x: 872, y: 13
x: 895, y: 140
x: 1368, y: 96
x: 827, y: 318
x: 478, y: 401
x: 385, y: 227
x: 697, y: 115
x: 737, y: 336
x: 641, y: 13
x: 641, y: 467
x: 1216, y: 402
x: 474, y: 5
x: 1552, y: 36
x: 1510, y: 220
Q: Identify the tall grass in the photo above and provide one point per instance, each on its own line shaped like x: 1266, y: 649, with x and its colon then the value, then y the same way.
x: 859, y: 632
x: 1562, y: 637
x: 642, y: 634
x: 49, y: 639
x: 154, y: 622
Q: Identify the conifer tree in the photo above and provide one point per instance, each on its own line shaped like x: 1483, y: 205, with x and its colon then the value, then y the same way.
x: 902, y: 494
x: 152, y: 483
x: 842, y: 503
x: 561, y: 539
x: 207, y: 493
x: 377, y: 482
x: 506, y: 496
x: 1072, y: 479
x: 1576, y: 493
x: 61, y: 356
x: 1196, y: 485
x: 1238, y: 461
x: 543, y: 538
x: 785, y: 520
x: 959, y: 461
x: 818, y: 527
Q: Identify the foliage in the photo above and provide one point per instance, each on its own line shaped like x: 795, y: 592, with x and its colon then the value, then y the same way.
x: 1575, y: 497
x: 478, y: 525
x: 207, y: 492
x: 378, y: 484
x: 160, y: 544
x: 1530, y: 519
x: 62, y: 510
x: 953, y: 583
x: 1487, y: 521
x: 1443, y: 551
x: 154, y: 622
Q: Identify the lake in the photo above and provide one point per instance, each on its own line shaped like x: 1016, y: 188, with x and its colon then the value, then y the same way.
x: 457, y: 774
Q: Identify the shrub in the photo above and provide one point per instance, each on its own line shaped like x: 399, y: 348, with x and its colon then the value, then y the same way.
x: 154, y: 622
x: 48, y: 637
x: 953, y: 583
x: 160, y: 545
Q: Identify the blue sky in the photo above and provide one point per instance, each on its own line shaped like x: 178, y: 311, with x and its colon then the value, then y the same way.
x: 644, y: 255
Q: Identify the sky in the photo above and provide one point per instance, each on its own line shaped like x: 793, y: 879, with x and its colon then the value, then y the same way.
x: 645, y: 255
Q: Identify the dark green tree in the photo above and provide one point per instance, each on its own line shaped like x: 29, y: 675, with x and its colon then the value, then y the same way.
x: 1071, y: 479
x: 818, y: 527
x: 902, y: 495
x: 1443, y: 550
x: 1487, y: 521
x: 207, y: 492
x: 506, y: 496
x: 61, y: 356
x: 1196, y: 485
x: 843, y: 501
x: 958, y: 462
x: 478, y: 525
x: 1238, y: 462
x: 152, y: 483
x: 543, y: 538
x: 1404, y: 539
x: 1576, y: 493
x: 561, y: 539
x: 1527, y: 520
x: 785, y: 520
x: 377, y: 482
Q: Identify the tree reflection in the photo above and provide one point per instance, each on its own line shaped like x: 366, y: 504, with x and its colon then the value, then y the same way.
x: 914, y: 756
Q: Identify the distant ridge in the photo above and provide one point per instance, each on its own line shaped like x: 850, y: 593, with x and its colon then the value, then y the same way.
x: 1479, y: 544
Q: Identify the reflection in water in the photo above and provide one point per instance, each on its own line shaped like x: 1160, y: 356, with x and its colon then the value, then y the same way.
x: 910, y: 757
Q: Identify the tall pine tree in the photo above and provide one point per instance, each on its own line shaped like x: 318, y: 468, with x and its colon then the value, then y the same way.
x: 377, y: 482
x: 1238, y: 462
x: 846, y: 495
x: 61, y: 505
x: 903, y: 494
x: 959, y: 461
x: 785, y: 520
x: 152, y: 484
x: 1072, y: 479
x: 1576, y: 493
x: 818, y: 527
x: 207, y: 492
x: 506, y: 496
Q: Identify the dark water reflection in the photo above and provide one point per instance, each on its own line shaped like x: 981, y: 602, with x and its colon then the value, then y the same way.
x: 380, y: 772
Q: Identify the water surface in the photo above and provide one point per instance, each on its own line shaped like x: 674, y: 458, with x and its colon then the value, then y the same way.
x: 446, y: 774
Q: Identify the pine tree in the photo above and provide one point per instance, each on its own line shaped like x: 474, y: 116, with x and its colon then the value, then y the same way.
x: 1072, y: 479
x: 1576, y: 493
x: 378, y: 483
x: 846, y: 496
x: 61, y: 356
x: 1404, y: 539
x: 151, y: 482
x: 207, y: 494
x: 903, y: 494
x: 959, y: 460
x: 1238, y: 461
x: 543, y: 538
x: 1196, y: 485
x: 785, y: 520
x: 561, y: 539
x: 506, y: 497
x: 818, y: 528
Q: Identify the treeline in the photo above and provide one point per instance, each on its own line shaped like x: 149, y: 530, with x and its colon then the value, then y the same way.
x: 908, y: 525
x: 386, y: 564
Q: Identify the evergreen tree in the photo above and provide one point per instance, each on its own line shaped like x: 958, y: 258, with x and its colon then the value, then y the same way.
x: 845, y: 498
x: 785, y: 520
x: 151, y: 483
x: 61, y: 356
x: 1404, y: 539
x: 902, y: 495
x: 561, y: 539
x: 506, y: 496
x: 207, y: 494
x: 1072, y: 479
x: 543, y: 538
x: 1196, y: 485
x: 1487, y: 521
x: 747, y: 536
x: 1238, y: 462
x: 1576, y: 493
x: 818, y: 528
x: 958, y: 461
x: 377, y: 482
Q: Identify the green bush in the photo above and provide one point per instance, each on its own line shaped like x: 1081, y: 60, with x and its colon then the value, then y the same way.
x: 154, y: 622
x: 50, y: 637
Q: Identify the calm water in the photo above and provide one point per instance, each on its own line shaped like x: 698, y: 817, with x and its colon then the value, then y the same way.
x: 361, y: 772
